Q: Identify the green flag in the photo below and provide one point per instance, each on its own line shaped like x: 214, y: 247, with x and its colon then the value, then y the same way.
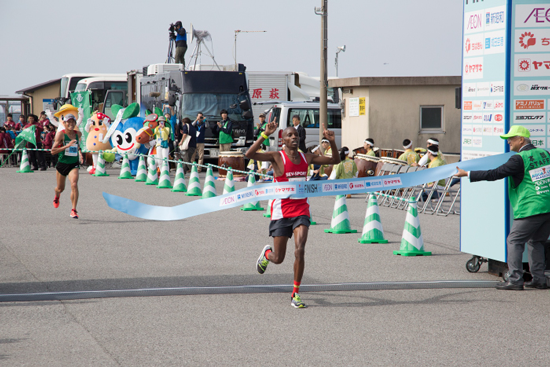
x: 28, y: 134
x: 82, y: 100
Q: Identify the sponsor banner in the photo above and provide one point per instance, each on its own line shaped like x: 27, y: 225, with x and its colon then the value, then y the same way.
x: 499, y: 104
x: 483, y: 89
x: 477, y: 130
x: 467, y: 129
x: 532, y: 16
x: 498, y: 130
x: 529, y: 117
x: 474, y: 22
x: 494, y: 43
x: 477, y: 118
x: 328, y: 187
x: 473, y: 45
x: 497, y: 89
x: 536, y: 130
x: 531, y: 87
x: 473, y: 68
x: 391, y: 182
x: 495, y: 18
x: 477, y: 142
x: 487, y: 118
x: 374, y: 184
x: 467, y: 118
x: 532, y: 40
x: 529, y: 104
x: 469, y: 90
x: 531, y: 65
x: 467, y: 141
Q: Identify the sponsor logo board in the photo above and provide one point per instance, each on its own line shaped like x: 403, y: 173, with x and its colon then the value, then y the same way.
x: 523, y: 117
x: 531, y: 65
x: 497, y: 89
x: 477, y: 130
x: 473, y: 68
x: 495, y: 18
x: 467, y: 129
x: 477, y: 142
x: 470, y: 90
x: 467, y: 141
x: 536, y: 130
x: 477, y: 105
x: 474, y: 22
x: 498, y: 130
x: 477, y: 117
x: 483, y: 89
x: 467, y: 105
x: 488, y: 105
x: 529, y: 104
x: 532, y: 15
x: 531, y: 87
x: 467, y: 118
x: 494, y: 42
x: 474, y: 45
x: 487, y: 130
x: 499, y: 104
x: 532, y: 40
x: 487, y: 117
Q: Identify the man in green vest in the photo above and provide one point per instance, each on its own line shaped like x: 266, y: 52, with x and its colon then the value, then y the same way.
x: 528, y: 175
x: 225, y: 128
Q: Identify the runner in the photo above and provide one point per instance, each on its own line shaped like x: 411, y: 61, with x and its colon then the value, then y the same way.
x: 289, y: 216
x: 66, y: 145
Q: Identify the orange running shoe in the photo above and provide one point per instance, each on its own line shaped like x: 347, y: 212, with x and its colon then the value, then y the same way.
x: 56, y: 202
x: 74, y: 214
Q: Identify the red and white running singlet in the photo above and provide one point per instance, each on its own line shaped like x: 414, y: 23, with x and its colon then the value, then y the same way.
x: 290, y: 208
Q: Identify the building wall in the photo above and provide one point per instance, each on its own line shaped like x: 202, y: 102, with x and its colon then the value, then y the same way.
x: 355, y: 129
x: 48, y: 92
x: 394, y: 115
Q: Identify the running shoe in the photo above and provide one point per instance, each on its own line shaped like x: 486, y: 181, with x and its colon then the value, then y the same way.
x: 74, y: 214
x: 262, y: 262
x: 56, y: 202
x: 296, y: 301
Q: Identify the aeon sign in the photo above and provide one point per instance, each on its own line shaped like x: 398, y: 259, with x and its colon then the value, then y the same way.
x: 532, y: 15
x: 473, y: 22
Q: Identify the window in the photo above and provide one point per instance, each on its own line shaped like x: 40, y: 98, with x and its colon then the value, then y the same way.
x: 309, y: 117
x: 431, y: 118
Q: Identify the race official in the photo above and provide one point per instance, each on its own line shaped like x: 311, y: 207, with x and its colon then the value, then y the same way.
x: 528, y: 175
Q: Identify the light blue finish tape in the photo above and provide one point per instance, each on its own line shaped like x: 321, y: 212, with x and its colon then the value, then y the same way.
x: 298, y: 189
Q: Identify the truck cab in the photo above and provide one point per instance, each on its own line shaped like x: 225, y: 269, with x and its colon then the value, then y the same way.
x: 98, y: 86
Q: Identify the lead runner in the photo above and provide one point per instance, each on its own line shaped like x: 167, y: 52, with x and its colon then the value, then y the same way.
x: 289, y: 216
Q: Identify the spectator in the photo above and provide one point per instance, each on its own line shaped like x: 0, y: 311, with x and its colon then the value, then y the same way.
x: 43, y: 120
x: 318, y: 172
x: 346, y: 169
x: 36, y: 158
x: 9, y: 131
x: 9, y: 122
x: 51, y: 160
x: 301, y: 132
x: 20, y: 124
x: 5, y: 143
x: 200, y: 125
x: 261, y: 128
x: 225, y: 130
x: 187, y: 152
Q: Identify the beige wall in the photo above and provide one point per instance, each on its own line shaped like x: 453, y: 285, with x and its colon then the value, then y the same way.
x: 355, y: 129
x: 48, y: 92
x: 394, y: 115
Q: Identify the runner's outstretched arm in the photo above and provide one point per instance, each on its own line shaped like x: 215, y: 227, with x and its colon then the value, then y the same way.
x: 252, y: 152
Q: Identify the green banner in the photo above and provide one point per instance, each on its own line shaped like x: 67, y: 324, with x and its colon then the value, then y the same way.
x: 28, y: 134
x: 83, y: 100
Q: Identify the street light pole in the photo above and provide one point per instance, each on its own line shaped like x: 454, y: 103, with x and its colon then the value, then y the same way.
x: 236, y: 33
x: 323, y: 113
x: 339, y: 49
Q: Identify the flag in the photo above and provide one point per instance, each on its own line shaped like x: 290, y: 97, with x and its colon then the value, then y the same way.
x: 82, y: 100
x: 28, y: 134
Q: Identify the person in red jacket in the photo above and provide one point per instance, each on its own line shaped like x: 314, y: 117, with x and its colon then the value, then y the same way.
x: 51, y: 160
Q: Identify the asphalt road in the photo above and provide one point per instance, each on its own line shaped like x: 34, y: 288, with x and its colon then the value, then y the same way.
x: 43, y: 250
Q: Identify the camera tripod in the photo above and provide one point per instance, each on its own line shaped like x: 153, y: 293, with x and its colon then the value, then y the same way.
x: 169, y: 58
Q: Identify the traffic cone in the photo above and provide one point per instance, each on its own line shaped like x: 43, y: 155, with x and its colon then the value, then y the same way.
x: 372, y: 229
x: 164, y: 180
x: 267, y: 214
x: 125, y: 172
x: 141, y: 175
x: 412, y: 243
x: 179, y: 181
x: 229, y: 185
x: 253, y: 206
x: 25, y: 166
x: 194, y: 188
x: 340, y: 217
x: 209, y: 188
x: 100, y: 167
x: 152, y: 176
x: 311, y: 221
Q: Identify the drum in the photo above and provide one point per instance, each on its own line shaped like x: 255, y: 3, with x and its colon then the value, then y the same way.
x: 234, y: 160
x: 379, y: 166
x: 366, y: 165
x: 386, y: 153
x: 397, y: 153
x: 359, y: 150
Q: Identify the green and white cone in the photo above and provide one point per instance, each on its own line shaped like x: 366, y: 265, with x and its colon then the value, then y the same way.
x: 340, y: 217
x: 152, y: 176
x: 229, y: 185
x: 372, y: 229
x: 25, y: 166
x: 194, y: 188
x: 311, y: 221
x: 267, y: 214
x: 125, y: 172
x: 209, y: 189
x: 179, y: 181
x: 164, y: 180
x: 412, y: 243
x: 141, y: 175
x: 253, y: 206
x: 100, y: 167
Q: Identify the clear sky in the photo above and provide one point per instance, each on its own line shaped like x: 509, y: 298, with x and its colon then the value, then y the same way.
x: 42, y: 40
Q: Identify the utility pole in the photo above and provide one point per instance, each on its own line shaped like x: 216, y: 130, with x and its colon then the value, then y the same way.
x: 236, y: 33
x: 323, y: 113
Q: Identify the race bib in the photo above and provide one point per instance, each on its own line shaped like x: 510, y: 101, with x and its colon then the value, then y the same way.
x: 71, y: 151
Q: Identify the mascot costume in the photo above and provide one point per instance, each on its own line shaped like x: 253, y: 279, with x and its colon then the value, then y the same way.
x: 123, y: 134
x: 97, y: 127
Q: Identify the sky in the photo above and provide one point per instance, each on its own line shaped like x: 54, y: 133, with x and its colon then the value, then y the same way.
x: 43, y: 40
